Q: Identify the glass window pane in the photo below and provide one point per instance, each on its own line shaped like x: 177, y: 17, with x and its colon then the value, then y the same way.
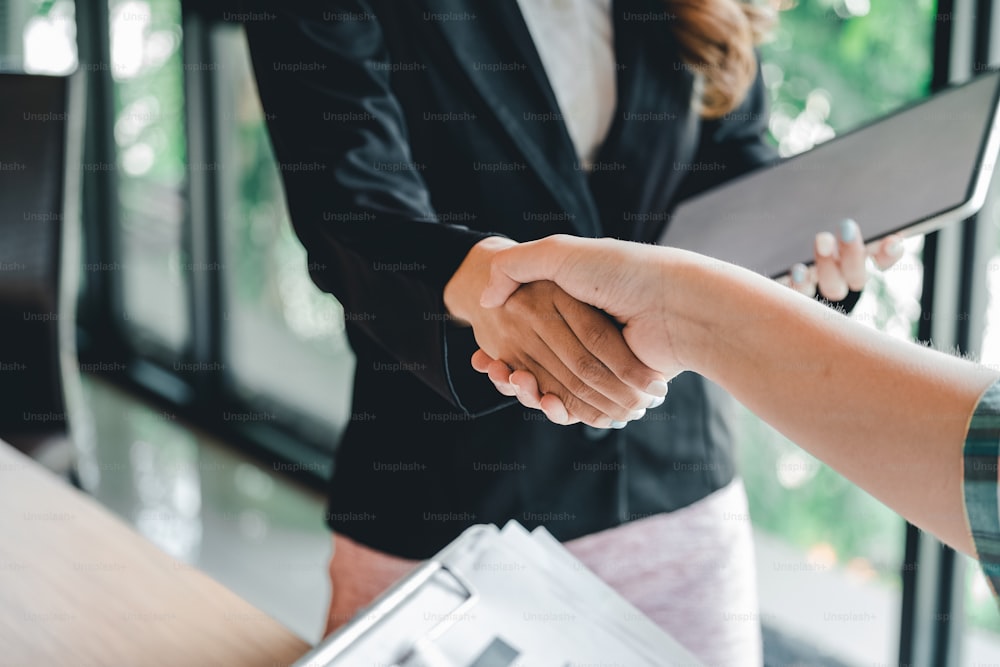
x: 285, y: 345
x: 149, y: 134
x: 829, y: 555
x: 38, y: 37
x: 981, y: 640
x: 834, y: 65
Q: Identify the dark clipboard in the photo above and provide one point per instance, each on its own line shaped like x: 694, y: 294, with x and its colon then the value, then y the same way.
x: 912, y: 172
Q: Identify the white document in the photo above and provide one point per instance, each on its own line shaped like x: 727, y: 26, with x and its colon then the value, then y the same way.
x: 500, y: 598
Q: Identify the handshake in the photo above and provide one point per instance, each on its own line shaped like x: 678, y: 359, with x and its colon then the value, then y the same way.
x: 889, y: 415
x: 591, y: 330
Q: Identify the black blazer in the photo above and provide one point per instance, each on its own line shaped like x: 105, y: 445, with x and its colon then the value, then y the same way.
x: 405, y: 133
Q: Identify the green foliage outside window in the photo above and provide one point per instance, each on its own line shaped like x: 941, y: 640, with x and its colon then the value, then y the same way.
x: 828, y: 71
x: 832, y: 66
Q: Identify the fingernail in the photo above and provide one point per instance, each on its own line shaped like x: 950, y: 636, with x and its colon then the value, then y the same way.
x: 825, y: 244
x: 656, y: 402
x: 560, y: 417
x: 618, y: 425
x: 799, y: 273
x: 848, y: 230
x: 636, y: 414
x: 657, y: 388
x: 895, y: 249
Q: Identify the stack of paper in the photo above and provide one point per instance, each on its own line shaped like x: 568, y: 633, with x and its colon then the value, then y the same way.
x: 500, y: 598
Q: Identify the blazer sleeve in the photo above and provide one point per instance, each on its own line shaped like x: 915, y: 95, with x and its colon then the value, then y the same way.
x: 357, y: 200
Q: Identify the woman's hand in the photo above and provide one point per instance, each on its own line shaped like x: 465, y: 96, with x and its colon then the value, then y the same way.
x: 842, y: 262
x: 582, y: 367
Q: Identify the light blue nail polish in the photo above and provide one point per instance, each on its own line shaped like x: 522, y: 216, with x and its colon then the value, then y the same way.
x: 618, y: 425
x: 656, y: 402
x: 848, y: 230
x: 798, y: 273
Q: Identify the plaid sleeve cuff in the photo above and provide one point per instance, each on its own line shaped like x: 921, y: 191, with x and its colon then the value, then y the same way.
x: 982, y: 499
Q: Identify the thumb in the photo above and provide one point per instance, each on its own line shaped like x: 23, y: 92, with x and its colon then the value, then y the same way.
x: 523, y: 263
x: 500, y: 285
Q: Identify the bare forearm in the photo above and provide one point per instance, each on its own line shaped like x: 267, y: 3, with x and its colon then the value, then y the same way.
x: 891, y: 417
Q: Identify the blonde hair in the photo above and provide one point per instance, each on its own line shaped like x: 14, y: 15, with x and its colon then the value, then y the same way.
x: 717, y: 40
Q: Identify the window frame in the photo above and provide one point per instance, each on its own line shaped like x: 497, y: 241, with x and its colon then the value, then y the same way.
x: 954, y: 296
x: 196, y: 398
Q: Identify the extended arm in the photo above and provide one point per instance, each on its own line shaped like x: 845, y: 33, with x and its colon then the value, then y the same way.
x: 890, y: 416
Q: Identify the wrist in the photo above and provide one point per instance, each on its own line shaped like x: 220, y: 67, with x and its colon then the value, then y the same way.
x: 464, y: 289
x: 701, y: 309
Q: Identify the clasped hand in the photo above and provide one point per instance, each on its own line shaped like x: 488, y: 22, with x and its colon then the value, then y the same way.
x: 580, y: 366
x: 570, y: 374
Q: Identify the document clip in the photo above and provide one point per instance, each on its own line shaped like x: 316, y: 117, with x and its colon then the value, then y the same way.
x: 400, y: 627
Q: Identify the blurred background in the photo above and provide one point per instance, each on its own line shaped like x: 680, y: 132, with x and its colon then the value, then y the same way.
x: 213, y: 365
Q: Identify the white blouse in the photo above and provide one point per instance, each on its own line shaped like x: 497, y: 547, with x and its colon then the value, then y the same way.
x: 575, y: 43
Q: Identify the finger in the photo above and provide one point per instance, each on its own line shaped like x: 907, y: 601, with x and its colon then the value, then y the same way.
x: 498, y: 288
x: 526, y: 387
x: 497, y: 371
x: 524, y: 263
x: 853, y: 258
x: 631, y: 383
x: 530, y: 397
x: 593, y: 350
x: 555, y: 411
x: 507, y: 390
x: 577, y: 377
x: 481, y: 361
x: 888, y: 251
x: 802, y: 279
x: 499, y: 374
x: 576, y: 408
x: 829, y: 277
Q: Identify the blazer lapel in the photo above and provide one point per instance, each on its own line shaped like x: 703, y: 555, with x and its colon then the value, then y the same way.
x: 635, y: 174
x: 502, y: 62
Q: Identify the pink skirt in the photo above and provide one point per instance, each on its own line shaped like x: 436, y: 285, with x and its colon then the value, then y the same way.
x: 691, y: 571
